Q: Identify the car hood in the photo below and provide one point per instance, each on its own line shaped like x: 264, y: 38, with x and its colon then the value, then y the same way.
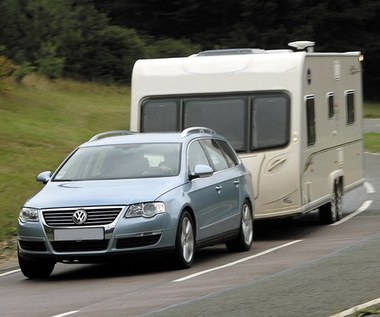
x: 104, y: 192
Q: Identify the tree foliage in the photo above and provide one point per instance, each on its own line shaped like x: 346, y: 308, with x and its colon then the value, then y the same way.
x: 6, y: 69
x: 335, y: 25
x: 100, y: 40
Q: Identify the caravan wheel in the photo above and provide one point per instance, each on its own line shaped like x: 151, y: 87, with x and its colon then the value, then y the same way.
x: 333, y: 211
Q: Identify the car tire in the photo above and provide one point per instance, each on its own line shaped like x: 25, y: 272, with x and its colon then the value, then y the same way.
x: 35, y: 269
x: 244, y: 240
x: 185, y: 242
x: 333, y: 210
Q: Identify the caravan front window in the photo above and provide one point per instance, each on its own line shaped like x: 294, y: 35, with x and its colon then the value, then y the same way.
x: 225, y: 115
x: 160, y: 115
x: 250, y: 121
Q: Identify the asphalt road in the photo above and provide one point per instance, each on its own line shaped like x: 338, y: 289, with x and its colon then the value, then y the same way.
x: 371, y: 125
x: 296, y: 268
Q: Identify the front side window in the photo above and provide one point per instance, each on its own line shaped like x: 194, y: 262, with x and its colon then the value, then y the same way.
x: 121, y: 162
x: 196, y: 156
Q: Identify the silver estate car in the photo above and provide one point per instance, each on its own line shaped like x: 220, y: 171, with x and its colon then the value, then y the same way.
x: 122, y: 193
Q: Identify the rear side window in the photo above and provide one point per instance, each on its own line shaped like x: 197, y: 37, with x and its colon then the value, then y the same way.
x: 350, y: 106
x: 330, y: 104
x: 310, y: 120
x: 229, y: 153
x: 216, y: 154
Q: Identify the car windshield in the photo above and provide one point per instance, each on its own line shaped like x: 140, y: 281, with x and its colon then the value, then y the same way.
x: 122, y: 162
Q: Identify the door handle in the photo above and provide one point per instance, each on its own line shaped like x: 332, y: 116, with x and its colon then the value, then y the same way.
x: 218, y: 188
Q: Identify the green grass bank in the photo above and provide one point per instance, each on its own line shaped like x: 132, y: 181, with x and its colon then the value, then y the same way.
x: 41, y: 122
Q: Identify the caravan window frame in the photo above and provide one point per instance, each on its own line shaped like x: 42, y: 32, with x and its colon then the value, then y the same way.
x: 245, y: 123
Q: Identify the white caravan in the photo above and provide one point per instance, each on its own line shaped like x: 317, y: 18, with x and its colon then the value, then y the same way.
x: 294, y: 117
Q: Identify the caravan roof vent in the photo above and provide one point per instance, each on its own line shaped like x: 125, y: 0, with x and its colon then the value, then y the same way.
x: 232, y: 51
x: 303, y: 46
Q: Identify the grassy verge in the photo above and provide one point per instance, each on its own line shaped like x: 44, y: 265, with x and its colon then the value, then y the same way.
x: 372, y: 311
x: 40, y: 123
x: 372, y: 140
x: 371, y: 110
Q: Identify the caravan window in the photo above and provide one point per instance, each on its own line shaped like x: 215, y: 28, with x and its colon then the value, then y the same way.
x: 249, y: 121
x: 310, y: 120
x: 350, y: 106
x: 330, y: 104
x: 226, y: 115
x: 160, y: 115
x: 270, y: 121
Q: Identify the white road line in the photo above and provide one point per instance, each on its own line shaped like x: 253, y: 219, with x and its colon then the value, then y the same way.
x: 357, y: 308
x: 364, y: 206
x: 67, y: 314
x: 10, y: 272
x: 236, y: 262
x: 369, y: 188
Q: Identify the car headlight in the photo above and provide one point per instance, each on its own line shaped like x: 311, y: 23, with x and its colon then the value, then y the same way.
x: 146, y: 210
x: 28, y: 214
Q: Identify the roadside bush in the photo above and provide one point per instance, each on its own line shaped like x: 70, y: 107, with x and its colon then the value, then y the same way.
x: 6, y: 69
x: 49, y: 64
x: 23, y: 70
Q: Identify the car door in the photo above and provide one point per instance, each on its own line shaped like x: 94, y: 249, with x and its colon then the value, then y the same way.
x: 214, y: 198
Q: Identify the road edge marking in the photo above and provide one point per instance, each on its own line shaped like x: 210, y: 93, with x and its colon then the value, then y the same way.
x: 369, y: 188
x: 356, y: 308
x: 67, y: 313
x: 363, y: 207
x: 235, y: 262
x: 9, y: 272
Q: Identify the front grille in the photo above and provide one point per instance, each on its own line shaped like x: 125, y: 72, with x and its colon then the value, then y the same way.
x: 95, y: 216
x: 79, y: 246
x: 33, y: 245
x: 135, y: 242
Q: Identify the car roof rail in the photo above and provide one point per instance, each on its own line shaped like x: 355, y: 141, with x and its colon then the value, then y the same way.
x: 193, y: 130
x: 110, y: 133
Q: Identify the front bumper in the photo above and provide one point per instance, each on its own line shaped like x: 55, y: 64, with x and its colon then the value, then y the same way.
x: 124, y: 236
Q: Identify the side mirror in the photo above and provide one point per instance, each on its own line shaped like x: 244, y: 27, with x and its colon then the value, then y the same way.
x: 43, y: 177
x: 201, y: 171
